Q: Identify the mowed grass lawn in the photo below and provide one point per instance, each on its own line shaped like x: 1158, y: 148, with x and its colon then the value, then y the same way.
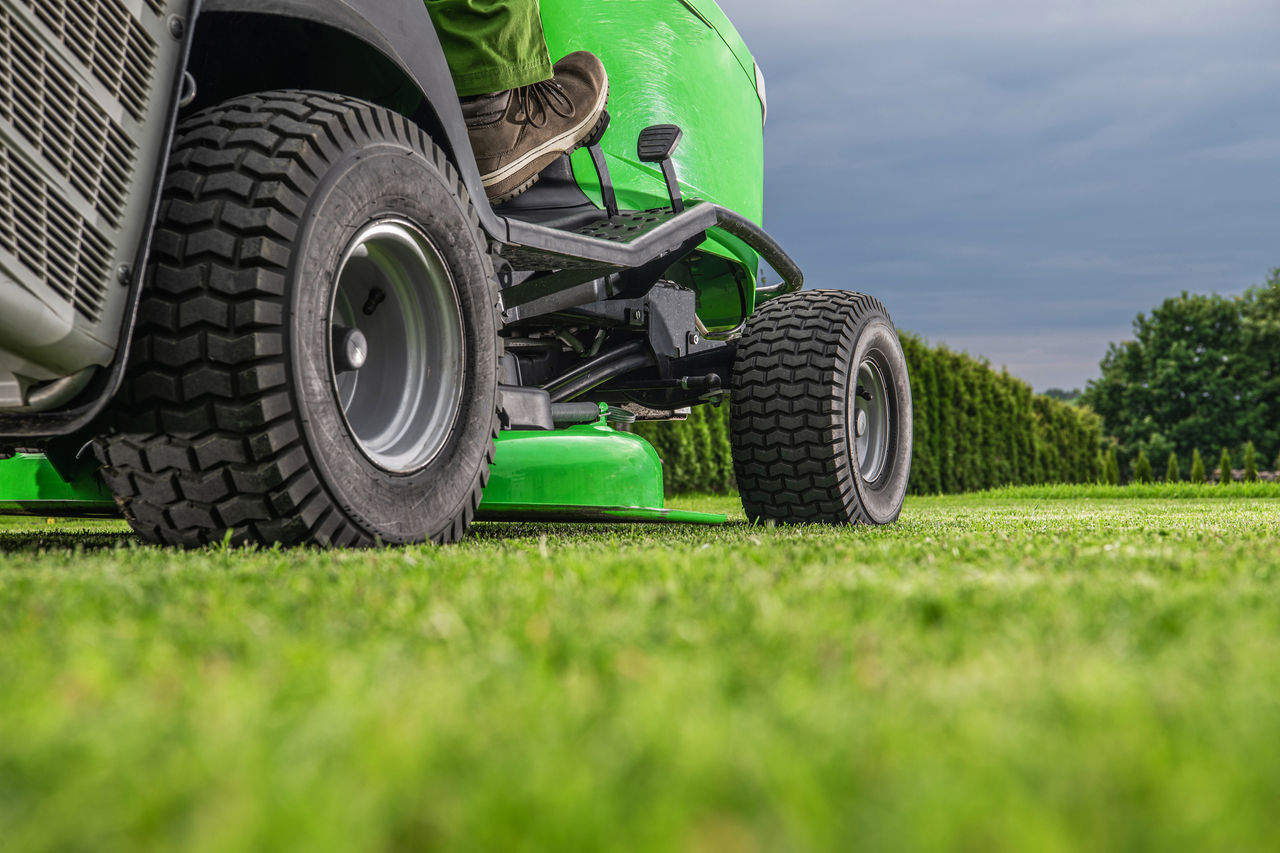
x: 1018, y: 671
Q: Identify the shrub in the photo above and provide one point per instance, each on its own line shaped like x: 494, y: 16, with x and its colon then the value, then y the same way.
x: 1172, y: 473
x: 1141, y: 468
x: 1197, y: 467
x: 1111, y: 474
x: 1224, y: 467
x: 695, y: 453
x: 1250, y: 463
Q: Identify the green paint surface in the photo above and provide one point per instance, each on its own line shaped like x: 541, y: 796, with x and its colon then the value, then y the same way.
x: 586, y: 473
x: 671, y: 62
x: 29, y: 485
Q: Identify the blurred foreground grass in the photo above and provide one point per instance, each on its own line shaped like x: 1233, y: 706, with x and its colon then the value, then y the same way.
x: 992, y: 673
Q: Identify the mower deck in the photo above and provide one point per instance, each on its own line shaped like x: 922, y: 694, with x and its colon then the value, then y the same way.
x: 588, y: 473
x: 584, y: 473
x: 29, y: 485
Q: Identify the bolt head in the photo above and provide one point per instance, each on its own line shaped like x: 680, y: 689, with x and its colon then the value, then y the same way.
x: 357, y: 349
x: 350, y: 349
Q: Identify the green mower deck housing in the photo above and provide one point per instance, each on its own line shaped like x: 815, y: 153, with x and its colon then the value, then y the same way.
x: 250, y: 283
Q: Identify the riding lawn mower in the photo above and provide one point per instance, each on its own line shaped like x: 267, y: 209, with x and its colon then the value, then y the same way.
x: 251, y: 286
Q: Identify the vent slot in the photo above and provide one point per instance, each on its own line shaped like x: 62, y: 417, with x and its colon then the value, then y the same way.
x: 156, y: 6
x: 109, y: 41
x: 50, y: 239
x: 46, y: 107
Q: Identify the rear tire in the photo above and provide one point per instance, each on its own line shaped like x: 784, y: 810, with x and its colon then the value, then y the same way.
x: 821, y: 416
x: 282, y: 214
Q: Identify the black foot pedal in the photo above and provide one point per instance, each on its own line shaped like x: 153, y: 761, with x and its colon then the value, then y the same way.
x: 657, y: 143
x: 607, y: 194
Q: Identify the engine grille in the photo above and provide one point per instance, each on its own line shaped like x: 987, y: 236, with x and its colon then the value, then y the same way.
x: 109, y: 41
x: 46, y: 107
x: 79, y: 133
x: 86, y: 100
x: 50, y: 238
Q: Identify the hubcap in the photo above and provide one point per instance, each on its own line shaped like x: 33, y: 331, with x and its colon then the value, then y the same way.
x: 396, y: 346
x: 869, y: 405
x: 350, y: 349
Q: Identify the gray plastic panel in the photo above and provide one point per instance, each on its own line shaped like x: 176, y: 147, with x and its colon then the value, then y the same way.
x: 84, y: 102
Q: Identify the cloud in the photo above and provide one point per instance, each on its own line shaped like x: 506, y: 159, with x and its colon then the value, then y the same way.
x: 987, y: 20
x: 1056, y: 358
x: 996, y: 169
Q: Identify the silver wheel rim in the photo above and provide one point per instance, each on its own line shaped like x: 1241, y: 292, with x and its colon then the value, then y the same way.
x: 395, y: 290
x: 869, y: 408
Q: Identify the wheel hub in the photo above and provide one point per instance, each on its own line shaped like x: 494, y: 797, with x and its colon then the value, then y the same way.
x: 869, y: 403
x: 396, y: 346
x: 350, y: 349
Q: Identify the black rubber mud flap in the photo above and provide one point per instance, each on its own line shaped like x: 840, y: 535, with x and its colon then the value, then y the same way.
x: 817, y: 375
x: 230, y: 420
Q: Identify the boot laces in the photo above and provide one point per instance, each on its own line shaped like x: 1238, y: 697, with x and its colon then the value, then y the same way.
x: 536, y: 102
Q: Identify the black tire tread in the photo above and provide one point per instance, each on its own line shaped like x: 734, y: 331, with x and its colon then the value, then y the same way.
x: 203, y: 440
x: 787, y: 424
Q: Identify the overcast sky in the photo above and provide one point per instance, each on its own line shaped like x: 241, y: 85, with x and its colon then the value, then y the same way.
x: 1019, y: 178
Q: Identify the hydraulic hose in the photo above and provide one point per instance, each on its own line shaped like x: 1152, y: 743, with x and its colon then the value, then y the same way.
x: 599, y: 370
x: 599, y: 361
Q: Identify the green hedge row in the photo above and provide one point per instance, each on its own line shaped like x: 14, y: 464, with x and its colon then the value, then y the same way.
x: 695, y: 453
x: 975, y: 428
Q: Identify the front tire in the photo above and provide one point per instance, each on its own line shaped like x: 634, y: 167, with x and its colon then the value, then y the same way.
x: 316, y: 355
x: 821, y: 417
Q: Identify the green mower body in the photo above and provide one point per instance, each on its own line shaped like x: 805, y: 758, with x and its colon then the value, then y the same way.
x: 668, y: 75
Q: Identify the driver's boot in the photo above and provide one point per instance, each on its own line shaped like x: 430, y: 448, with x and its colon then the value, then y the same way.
x: 517, y: 133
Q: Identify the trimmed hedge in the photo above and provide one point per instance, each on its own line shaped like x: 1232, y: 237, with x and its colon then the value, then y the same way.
x: 695, y: 453
x: 975, y: 428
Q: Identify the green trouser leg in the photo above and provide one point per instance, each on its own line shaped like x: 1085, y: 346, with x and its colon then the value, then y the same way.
x: 491, y: 45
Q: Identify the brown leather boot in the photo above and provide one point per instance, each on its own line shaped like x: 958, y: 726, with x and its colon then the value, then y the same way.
x: 517, y: 133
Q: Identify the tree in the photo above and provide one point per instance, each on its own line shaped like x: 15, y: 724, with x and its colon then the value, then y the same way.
x: 1224, y: 467
x: 1250, y: 463
x: 1157, y: 447
x: 1197, y: 467
x: 1172, y: 473
x: 1141, y: 468
x: 1111, y: 471
x: 1200, y: 371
